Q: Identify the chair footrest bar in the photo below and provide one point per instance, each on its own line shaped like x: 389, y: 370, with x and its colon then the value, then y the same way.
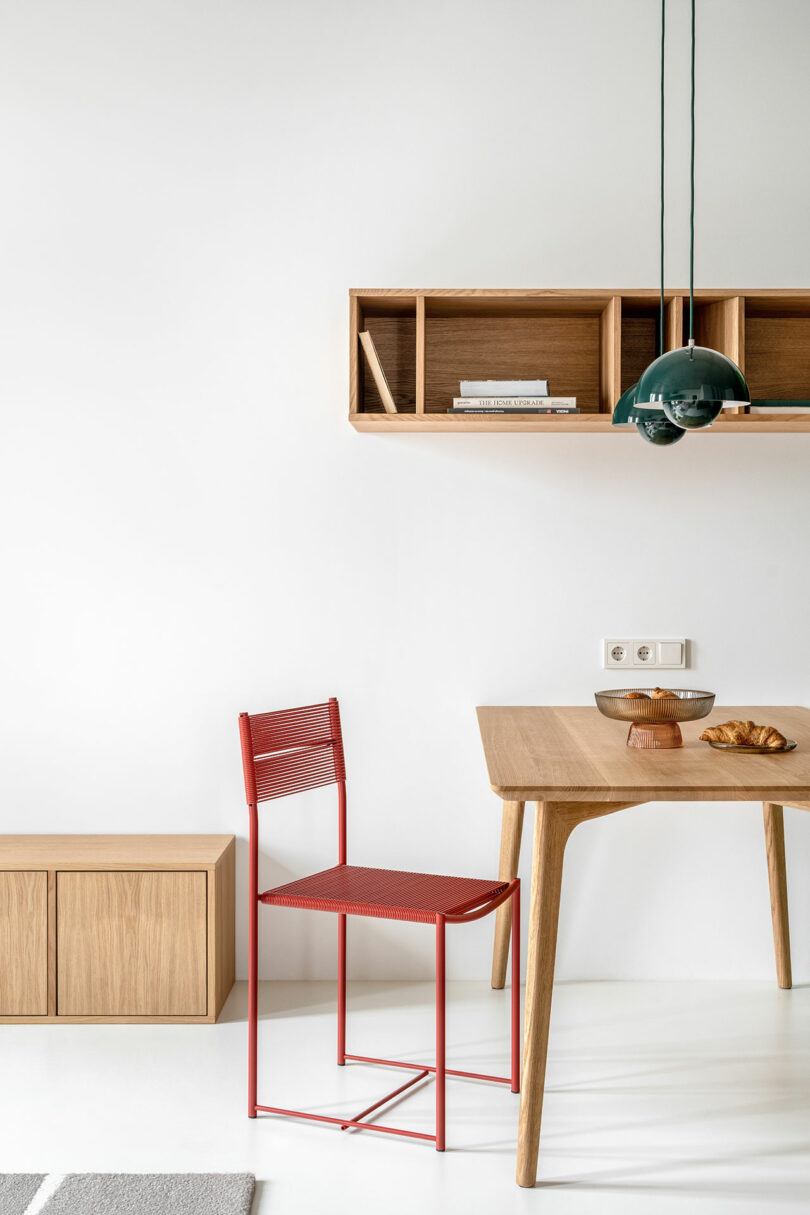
x: 343, y: 1122
x: 449, y: 1071
x: 389, y: 1097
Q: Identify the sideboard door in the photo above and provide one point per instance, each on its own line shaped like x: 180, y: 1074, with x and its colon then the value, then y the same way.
x: 23, y: 944
x: 131, y: 944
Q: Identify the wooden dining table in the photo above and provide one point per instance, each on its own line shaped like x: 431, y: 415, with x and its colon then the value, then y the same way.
x: 574, y: 764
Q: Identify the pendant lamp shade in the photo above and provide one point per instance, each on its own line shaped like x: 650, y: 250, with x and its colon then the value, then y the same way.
x: 652, y: 424
x: 692, y: 385
x: 625, y: 413
x: 657, y: 429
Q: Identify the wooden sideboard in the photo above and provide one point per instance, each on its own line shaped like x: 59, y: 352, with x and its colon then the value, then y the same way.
x: 115, y: 928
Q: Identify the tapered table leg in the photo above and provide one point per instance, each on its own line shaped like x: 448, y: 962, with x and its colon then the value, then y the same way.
x: 777, y: 878
x: 554, y: 822
x: 511, y: 831
x: 551, y: 833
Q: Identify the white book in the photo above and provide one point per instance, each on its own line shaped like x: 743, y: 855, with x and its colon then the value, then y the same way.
x: 779, y: 407
x: 504, y: 388
x: 516, y: 403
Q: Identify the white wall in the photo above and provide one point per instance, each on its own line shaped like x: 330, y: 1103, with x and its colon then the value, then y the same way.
x: 192, y: 528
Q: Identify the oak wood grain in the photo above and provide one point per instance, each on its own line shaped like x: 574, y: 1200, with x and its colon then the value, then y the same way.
x: 779, y: 296
x: 777, y: 356
x: 591, y: 344
x: 721, y: 326
x: 575, y: 763
x: 222, y: 932
x: 395, y: 341
x: 112, y: 851
x: 51, y: 943
x: 511, y: 832
x: 23, y: 944
x: 420, y: 354
x: 554, y: 823
x: 610, y: 350
x: 131, y: 943
x: 673, y: 323
x: 587, y: 423
x: 355, y: 325
x: 576, y: 754
x: 777, y: 881
x: 639, y: 345
x: 564, y: 350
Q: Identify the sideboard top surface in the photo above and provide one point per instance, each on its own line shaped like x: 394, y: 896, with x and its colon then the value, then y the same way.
x: 112, y: 851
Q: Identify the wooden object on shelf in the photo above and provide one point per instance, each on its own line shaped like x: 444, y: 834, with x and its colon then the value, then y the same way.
x: 116, y: 928
x: 573, y: 763
x: 376, y: 368
x: 591, y: 344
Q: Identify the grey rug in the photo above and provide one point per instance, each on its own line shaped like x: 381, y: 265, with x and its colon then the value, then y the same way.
x: 17, y: 1190
x: 152, y: 1194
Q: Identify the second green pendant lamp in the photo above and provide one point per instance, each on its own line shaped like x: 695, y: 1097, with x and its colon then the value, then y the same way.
x: 684, y: 388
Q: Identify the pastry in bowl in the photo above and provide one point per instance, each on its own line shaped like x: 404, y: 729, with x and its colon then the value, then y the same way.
x: 745, y: 734
x: 663, y: 694
x: 635, y: 696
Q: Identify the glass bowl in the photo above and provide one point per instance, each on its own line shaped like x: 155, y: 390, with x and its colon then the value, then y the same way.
x: 654, y: 723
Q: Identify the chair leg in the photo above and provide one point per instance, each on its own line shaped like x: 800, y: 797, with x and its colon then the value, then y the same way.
x: 341, y: 1041
x: 253, y: 971
x: 515, y: 901
x: 440, y: 1033
x: 511, y: 831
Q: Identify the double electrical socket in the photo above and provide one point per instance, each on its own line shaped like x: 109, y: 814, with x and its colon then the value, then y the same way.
x: 649, y: 652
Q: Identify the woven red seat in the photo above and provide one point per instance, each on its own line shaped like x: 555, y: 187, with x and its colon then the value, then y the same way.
x: 389, y: 894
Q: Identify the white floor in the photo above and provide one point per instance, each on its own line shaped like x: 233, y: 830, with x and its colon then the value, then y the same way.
x: 661, y: 1097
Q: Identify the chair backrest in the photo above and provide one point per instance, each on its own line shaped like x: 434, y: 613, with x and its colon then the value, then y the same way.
x: 291, y: 750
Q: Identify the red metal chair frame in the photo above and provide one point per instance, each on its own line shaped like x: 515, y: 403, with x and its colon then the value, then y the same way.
x: 298, y: 749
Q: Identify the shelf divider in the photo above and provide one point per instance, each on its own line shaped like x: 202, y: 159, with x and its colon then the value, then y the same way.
x: 673, y: 323
x: 721, y: 326
x: 610, y: 334
x: 420, y: 354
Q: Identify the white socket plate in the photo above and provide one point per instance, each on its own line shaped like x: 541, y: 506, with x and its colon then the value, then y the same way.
x: 652, y: 652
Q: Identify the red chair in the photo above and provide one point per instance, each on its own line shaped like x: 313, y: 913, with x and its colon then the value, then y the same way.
x: 297, y: 749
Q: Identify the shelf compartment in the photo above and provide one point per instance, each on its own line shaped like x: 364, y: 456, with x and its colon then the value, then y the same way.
x: 392, y: 325
x: 639, y: 339
x: 518, y: 338
x: 777, y: 348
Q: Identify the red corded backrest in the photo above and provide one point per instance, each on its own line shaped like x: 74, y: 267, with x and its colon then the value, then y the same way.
x: 291, y: 750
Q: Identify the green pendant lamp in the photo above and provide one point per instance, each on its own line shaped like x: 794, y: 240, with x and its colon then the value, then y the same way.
x: 690, y: 385
x: 651, y: 422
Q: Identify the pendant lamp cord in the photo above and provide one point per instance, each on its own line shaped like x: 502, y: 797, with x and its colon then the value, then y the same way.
x: 663, y: 32
x: 692, y: 196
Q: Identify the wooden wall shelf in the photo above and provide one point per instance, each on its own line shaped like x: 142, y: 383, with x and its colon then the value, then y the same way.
x: 589, y: 344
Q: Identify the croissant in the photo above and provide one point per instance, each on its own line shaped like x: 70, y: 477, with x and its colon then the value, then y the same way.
x: 663, y: 694
x: 635, y: 696
x: 745, y: 734
x: 730, y: 732
x: 766, y: 736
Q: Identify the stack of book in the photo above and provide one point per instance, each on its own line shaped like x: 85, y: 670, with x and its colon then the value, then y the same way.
x: 510, y: 397
x: 769, y: 405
